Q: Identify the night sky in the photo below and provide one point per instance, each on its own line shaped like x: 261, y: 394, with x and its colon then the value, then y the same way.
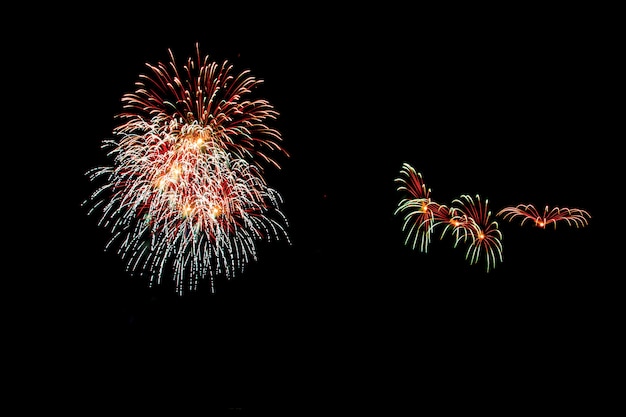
x: 347, y: 317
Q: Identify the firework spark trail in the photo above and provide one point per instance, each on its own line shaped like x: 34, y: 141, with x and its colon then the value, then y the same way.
x: 528, y: 212
x: 186, y: 191
x: 468, y: 220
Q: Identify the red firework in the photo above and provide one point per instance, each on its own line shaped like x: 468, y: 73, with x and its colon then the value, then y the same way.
x: 185, y: 195
x: 486, y: 238
x: 528, y: 212
x: 419, y: 209
x: 468, y: 220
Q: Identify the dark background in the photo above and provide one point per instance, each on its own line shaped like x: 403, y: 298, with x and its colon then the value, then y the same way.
x: 508, y: 104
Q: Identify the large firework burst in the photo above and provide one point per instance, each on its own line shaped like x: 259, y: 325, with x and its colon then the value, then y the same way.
x: 186, y: 192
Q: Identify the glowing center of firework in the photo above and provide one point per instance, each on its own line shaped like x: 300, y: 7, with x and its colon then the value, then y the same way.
x: 193, y: 141
x: 216, y: 211
x: 540, y: 223
x: 175, y: 172
x: 170, y: 177
x: 187, y: 210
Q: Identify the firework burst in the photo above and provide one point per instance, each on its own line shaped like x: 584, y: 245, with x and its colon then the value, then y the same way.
x: 422, y: 215
x: 528, y: 213
x: 468, y: 220
x: 418, y: 208
x: 486, y: 239
x: 186, y: 191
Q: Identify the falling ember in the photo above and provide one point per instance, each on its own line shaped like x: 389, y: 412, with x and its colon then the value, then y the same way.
x: 186, y: 193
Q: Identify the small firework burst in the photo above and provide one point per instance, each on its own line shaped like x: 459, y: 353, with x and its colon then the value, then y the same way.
x: 186, y: 191
x: 417, y: 207
x: 528, y: 213
x: 467, y: 219
x: 486, y: 239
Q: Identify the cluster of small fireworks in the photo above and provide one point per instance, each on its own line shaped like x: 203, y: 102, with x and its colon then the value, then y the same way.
x: 186, y: 192
x: 467, y: 220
